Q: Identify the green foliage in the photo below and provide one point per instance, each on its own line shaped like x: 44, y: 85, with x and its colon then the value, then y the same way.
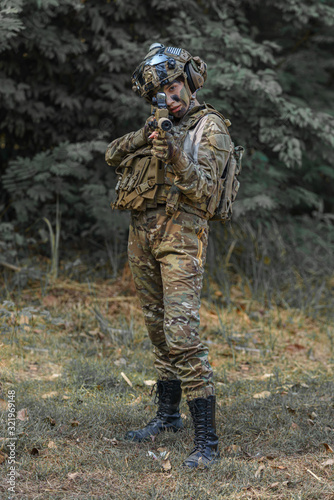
x: 65, y: 92
x: 290, y: 264
x: 10, y: 23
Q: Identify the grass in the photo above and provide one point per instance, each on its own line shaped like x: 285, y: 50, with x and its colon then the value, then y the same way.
x: 62, y: 352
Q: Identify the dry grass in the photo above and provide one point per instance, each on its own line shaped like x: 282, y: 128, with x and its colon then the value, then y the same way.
x: 274, y: 378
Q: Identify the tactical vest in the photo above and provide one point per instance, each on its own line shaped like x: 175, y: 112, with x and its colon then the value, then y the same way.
x: 140, y: 187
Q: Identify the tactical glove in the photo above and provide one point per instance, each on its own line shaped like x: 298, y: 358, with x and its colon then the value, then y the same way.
x: 166, y: 149
x: 148, y: 129
x: 141, y: 136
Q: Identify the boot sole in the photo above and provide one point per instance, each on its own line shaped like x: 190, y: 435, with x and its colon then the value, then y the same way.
x: 149, y: 438
x: 202, y: 464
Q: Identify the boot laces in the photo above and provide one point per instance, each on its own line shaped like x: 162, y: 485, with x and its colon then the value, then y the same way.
x: 162, y: 398
x: 201, y: 422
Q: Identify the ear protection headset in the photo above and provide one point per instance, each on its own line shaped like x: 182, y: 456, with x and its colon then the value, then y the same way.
x: 194, y: 77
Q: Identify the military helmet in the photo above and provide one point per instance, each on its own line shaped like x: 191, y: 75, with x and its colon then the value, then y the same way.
x: 163, y: 65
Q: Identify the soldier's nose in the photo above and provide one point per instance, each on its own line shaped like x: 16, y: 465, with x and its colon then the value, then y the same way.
x: 169, y: 100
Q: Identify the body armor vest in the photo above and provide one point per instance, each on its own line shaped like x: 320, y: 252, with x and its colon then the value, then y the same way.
x: 139, y: 186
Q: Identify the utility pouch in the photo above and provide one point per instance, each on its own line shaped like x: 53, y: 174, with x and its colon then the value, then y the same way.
x: 228, y: 185
x: 173, y: 200
x: 136, y: 183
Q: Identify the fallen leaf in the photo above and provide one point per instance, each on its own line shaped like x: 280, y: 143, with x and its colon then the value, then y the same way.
x: 66, y: 397
x: 74, y: 423
x: 135, y: 401
x: 328, y: 462
x: 3, y: 404
x: 50, y: 301
x: 294, y: 347
x: 273, y: 486
x: 24, y: 320
x: 294, y: 426
x: 280, y: 467
x: 73, y: 475
x: 22, y: 414
x: 328, y: 448
x: 49, y: 394
x: 234, y: 448
x: 259, y: 470
x: 52, y: 445
x: 3, y: 457
x: 166, y: 465
x: 149, y: 382
x: 262, y: 395
x: 266, y: 375
x: 112, y: 441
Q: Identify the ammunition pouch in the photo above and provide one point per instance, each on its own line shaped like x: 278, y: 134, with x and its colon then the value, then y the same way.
x: 137, y: 181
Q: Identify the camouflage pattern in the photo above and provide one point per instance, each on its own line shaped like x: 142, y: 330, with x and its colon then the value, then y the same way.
x: 203, y: 136
x: 167, y: 257
x: 124, y: 146
x: 167, y: 252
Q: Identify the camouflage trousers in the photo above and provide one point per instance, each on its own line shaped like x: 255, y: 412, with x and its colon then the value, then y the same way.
x: 166, y: 257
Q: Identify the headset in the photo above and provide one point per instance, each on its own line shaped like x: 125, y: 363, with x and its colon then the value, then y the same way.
x: 194, y: 77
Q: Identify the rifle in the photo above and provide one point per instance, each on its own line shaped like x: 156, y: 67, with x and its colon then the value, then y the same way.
x: 162, y: 124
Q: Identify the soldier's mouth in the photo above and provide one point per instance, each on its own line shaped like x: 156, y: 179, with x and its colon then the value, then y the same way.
x: 176, y: 109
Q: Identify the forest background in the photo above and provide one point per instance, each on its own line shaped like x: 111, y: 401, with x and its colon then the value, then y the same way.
x: 65, y: 90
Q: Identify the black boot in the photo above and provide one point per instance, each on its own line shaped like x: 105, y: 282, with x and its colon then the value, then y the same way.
x: 168, y: 415
x: 206, y: 441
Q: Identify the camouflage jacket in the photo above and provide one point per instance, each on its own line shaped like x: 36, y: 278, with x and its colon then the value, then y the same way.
x: 206, y: 145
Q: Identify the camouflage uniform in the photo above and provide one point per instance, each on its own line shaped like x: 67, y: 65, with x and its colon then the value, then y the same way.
x: 167, y: 252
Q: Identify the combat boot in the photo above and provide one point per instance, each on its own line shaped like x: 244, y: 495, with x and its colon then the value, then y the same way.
x: 168, y: 397
x: 206, y: 441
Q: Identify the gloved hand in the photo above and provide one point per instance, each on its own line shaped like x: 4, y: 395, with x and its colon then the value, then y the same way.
x: 165, y: 148
x: 147, y: 129
x: 141, y: 136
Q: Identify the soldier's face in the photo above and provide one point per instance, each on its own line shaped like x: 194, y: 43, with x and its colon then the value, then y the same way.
x: 177, y: 98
